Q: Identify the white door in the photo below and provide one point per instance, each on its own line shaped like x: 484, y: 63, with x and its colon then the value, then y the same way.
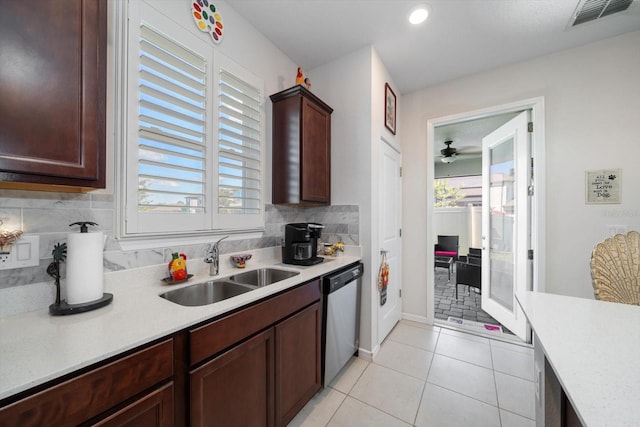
x: 506, y: 236
x: 390, y: 204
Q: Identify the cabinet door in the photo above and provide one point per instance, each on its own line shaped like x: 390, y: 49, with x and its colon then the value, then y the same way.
x: 297, y: 362
x: 154, y: 409
x: 95, y: 392
x: 236, y: 388
x: 316, y: 153
x: 53, y: 85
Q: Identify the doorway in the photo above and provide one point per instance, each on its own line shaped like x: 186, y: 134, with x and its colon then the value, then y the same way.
x: 464, y: 132
x: 390, y: 235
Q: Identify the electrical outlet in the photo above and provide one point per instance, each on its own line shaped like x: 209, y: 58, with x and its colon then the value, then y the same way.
x: 537, y: 375
x: 24, y: 253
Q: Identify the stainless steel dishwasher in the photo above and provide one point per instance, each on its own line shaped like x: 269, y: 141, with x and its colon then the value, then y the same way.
x: 340, y: 319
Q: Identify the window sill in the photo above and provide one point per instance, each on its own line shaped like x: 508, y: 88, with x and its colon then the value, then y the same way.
x: 133, y: 243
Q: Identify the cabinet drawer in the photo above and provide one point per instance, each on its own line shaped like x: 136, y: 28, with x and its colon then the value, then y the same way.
x: 88, y: 395
x: 210, y: 339
x: 154, y: 409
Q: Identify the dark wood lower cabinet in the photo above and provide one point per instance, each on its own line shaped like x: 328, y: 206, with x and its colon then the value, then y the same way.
x: 297, y: 362
x: 99, y: 391
x: 236, y: 388
x: 154, y: 409
x: 255, y: 367
x: 264, y: 380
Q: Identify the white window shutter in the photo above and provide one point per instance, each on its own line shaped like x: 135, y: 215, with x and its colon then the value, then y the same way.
x: 167, y: 188
x: 240, y: 146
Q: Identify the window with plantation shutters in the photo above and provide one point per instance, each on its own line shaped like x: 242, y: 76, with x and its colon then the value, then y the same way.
x: 195, y: 134
x: 172, y: 126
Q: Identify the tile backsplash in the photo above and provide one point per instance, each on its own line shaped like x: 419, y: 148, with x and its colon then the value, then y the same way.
x: 49, y: 214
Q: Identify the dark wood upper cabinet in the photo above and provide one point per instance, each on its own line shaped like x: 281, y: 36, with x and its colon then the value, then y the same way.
x: 301, y: 148
x: 53, y: 86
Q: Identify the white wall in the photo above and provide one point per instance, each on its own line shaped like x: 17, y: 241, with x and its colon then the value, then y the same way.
x: 592, y: 107
x: 345, y: 85
x: 379, y: 133
x: 354, y: 87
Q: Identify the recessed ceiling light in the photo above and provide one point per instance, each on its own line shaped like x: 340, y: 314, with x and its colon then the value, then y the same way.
x: 418, y: 15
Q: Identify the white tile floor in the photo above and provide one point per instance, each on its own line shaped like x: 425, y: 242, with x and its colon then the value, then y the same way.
x: 430, y: 376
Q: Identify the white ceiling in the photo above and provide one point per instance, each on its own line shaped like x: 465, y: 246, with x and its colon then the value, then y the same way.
x: 460, y: 37
x: 467, y: 136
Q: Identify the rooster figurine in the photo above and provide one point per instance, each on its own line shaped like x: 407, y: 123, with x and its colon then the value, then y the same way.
x: 299, y: 77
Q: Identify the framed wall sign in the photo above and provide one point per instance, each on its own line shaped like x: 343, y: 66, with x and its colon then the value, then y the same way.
x: 389, y: 108
x: 603, y: 186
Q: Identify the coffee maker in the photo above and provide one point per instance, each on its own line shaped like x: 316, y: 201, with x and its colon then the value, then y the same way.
x: 301, y: 243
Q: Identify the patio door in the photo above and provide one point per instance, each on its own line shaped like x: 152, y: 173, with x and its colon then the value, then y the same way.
x: 506, y: 222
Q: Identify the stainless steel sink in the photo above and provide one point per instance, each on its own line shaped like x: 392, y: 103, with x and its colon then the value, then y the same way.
x: 262, y: 276
x: 206, y: 293
x: 221, y: 289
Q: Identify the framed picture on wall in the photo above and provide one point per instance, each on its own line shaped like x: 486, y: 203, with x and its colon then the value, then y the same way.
x: 603, y: 186
x: 389, y: 108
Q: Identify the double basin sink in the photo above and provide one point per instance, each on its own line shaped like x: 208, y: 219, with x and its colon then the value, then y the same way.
x: 213, y: 291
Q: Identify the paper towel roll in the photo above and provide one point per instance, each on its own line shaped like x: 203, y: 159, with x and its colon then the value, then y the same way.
x: 85, y: 278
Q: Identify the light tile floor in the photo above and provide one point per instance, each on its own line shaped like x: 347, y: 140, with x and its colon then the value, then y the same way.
x: 430, y: 376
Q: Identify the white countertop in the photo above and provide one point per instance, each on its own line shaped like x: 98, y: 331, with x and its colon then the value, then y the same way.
x: 594, y: 350
x: 36, y: 347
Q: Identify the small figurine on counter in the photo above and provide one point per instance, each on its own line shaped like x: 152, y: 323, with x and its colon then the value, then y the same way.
x: 299, y: 77
x: 307, y: 83
x: 338, y: 248
x: 178, y: 266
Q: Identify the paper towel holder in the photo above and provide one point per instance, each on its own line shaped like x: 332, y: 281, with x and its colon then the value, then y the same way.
x: 83, y: 225
x: 61, y: 308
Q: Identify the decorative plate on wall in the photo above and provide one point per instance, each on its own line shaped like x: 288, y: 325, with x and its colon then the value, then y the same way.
x: 207, y: 19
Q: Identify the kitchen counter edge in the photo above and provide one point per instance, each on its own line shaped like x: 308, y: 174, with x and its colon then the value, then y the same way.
x: 592, y: 347
x: 36, y: 347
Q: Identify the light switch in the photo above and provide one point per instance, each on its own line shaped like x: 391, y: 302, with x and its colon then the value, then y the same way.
x: 24, y: 253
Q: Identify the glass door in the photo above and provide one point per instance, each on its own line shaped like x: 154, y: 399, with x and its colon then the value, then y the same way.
x: 506, y: 224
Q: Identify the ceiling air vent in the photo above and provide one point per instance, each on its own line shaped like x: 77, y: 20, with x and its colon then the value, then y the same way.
x: 590, y: 10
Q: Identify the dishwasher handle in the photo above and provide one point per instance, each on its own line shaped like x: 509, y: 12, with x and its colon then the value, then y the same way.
x: 337, y: 280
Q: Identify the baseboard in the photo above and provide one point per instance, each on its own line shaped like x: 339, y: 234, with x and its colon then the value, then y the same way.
x: 368, y: 355
x: 414, y: 318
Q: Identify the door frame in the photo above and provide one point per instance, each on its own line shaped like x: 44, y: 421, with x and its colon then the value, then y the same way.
x: 384, y: 143
x: 538, y: 241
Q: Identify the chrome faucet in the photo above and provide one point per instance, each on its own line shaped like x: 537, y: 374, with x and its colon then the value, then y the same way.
x: 213, y: 258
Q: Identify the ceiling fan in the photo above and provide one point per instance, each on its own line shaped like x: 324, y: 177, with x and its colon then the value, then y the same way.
x: 450, y: 154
